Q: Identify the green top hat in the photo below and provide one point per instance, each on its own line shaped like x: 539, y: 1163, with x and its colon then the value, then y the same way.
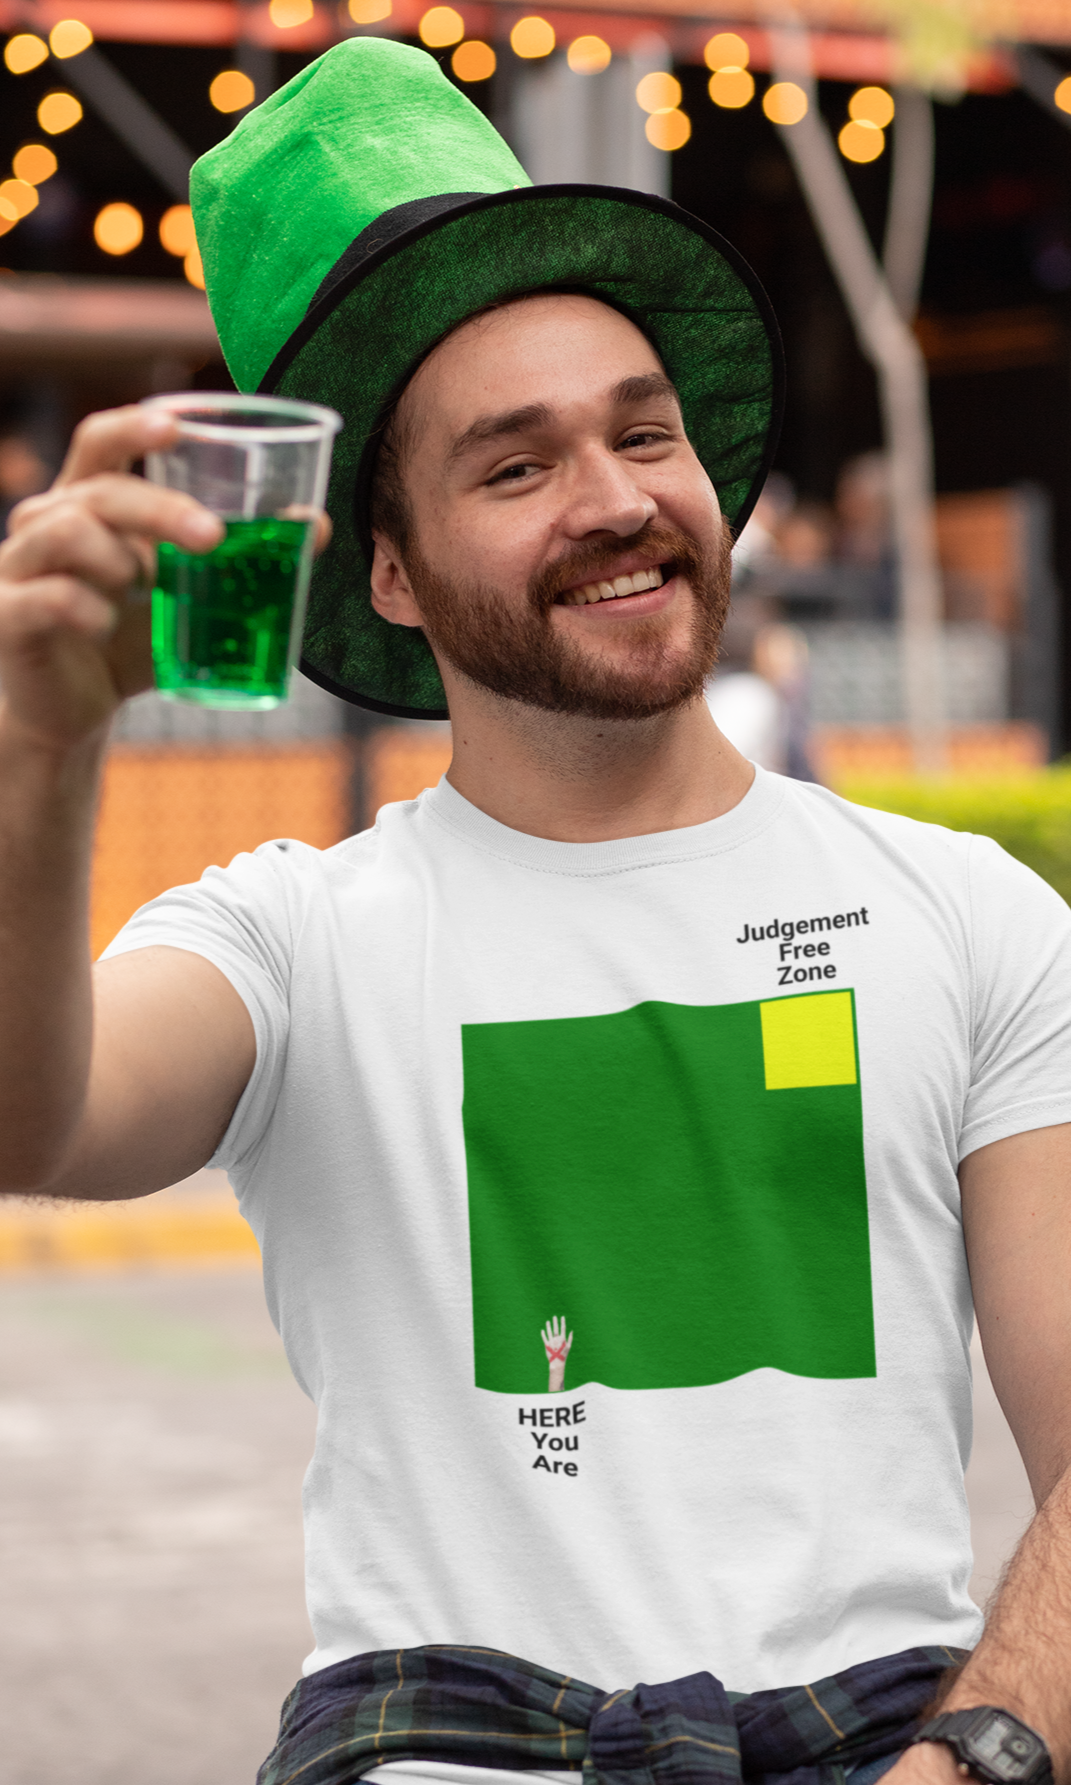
x: 366, y: 209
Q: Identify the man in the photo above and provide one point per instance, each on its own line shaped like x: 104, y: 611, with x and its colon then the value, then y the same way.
x: 611, y: 1056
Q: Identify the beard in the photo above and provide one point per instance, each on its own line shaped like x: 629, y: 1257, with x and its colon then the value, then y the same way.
x: 519, y: 654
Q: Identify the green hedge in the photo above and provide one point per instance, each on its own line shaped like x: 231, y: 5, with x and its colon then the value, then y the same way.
x: 1028, y: 815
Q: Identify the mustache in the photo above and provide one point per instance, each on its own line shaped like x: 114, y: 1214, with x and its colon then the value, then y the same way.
x: 590, y: 562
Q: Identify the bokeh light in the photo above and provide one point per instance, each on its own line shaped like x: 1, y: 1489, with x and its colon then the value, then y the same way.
x: 369, y: 12
x: 731, y: 88
x: 784, y: 103
x: 1062, y: 95
x: 861, y: 141
x: 23, y: 52
x: 658, y: 93
x: 588, y: 55
x: 34, y: 163
x: 69, y: 38
x: 441, y: 26
x: 532, y: 37
x: 18, y: 196
x: 193, y: 269
x: 232, y: 91
x: 726, y: 50
x: 668, y: 130
x: 872, y: 105
x: 474, y: 61
x: 58, y: 112
x: 285, y: 14
x: 118, y: 229
x: 176, y: 231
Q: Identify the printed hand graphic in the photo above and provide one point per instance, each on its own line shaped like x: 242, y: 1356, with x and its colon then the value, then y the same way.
x: 556, y: 1345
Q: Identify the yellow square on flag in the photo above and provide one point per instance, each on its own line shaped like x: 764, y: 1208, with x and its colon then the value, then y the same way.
x: 808, y: 1041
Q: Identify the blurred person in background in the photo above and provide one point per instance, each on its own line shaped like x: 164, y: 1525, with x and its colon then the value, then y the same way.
x: 23, y: 472
x: 762, y: 709
x: 864, y: 544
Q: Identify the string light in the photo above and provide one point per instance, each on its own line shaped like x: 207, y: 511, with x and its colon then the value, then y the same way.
x: 784, y: 103
x: 861, y: 140
x: 232, y: 91
x: 58, y: 112
x: 176, y: 231
x: 369, y: 12
x: 872, y: 105
x: 118, y: 229
x: 1062, y: 95
x: 441, y: 26
x: 18, y: 196
x: 69, y: 38
x: 285, y: 14
x: 731, y: 88
x: 23, y: 52
x: 658, y: 93
x: 34, y: 163
x: 668, y: 130
x: 532, y: 37
x: 726, y: 50
x: 193, y: 269
x: 474, y: 61
x: 588, y: 55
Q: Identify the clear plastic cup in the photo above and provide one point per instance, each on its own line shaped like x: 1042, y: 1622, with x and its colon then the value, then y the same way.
x: 226, y: 624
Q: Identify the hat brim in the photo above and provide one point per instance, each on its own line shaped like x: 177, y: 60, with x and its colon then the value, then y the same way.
x: 694, y: 297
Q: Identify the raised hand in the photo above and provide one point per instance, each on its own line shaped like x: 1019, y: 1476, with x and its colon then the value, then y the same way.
x: 557, y: 1347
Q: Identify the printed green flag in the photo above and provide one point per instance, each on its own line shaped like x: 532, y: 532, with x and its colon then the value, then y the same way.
x: 678, y: 1187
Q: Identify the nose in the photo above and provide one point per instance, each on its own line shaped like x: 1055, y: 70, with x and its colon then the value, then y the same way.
x: 605, y: 497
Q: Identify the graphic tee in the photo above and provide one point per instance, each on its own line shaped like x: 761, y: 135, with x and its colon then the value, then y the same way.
x: 608, y: 1204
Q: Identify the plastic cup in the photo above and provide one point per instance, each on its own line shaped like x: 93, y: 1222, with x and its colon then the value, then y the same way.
x: 226, y: 624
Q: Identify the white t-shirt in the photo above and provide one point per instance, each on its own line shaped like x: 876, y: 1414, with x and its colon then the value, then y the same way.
x: 701, y: 1096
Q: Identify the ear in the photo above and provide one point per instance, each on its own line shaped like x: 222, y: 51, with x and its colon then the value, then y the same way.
x: 392, y: 594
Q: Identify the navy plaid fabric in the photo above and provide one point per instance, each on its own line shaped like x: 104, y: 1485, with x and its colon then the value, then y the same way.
x: 478, y: 1707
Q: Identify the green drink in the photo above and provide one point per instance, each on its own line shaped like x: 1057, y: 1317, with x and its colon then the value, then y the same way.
x: 222, y: 621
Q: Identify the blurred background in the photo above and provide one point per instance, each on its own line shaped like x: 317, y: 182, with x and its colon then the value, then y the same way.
x: 898, y: 172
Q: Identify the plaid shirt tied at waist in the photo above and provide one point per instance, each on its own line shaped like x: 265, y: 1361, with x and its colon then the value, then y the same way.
x: 479, y: 1707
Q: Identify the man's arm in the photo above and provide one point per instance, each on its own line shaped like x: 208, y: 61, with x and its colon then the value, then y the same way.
x: 1017, y: 1223
x: 123, y: 1094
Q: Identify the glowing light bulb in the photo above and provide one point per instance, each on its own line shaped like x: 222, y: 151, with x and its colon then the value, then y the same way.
x: 18, y: 196
x: 658, y: 93
x: 668, y: 130
x: 369, y: 12
x: 286, y: 14
x: 532, y: 37
x: 588, y: 55
x: 118, y: 229
x: 726, y: 50
x: 474, y: 61
x: 58, y: 112
x: 69, y: 38
x: 193, y: 269
x: 872, y: 105
x: 23, y: 52
x: 731, y: 88
x: 34, y: 163
x: 1062, y: 95
x: 440, y: 26
x: 232, y: 91
x: 176, y: 231
x: 861, y: 141
x: 784, y: 103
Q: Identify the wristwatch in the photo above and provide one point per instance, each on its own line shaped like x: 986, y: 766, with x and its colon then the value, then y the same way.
x: 992, y: 1745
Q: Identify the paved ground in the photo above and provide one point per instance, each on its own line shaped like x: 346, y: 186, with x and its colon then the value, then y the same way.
x: 152, y: 1445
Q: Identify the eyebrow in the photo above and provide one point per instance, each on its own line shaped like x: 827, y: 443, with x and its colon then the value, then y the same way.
x: 639, y: 389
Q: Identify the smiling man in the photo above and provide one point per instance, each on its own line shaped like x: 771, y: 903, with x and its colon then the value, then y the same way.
x: 630, y: 1135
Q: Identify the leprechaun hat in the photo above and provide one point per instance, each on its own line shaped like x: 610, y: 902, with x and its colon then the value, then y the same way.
x: 367, y: 208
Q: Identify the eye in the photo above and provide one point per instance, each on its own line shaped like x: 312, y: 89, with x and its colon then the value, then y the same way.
x: 513, y: 474
x: 644, y: 437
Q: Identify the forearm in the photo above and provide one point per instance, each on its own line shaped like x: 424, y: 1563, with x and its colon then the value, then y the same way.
x: 48, y: 800
x: 1022, y: 1662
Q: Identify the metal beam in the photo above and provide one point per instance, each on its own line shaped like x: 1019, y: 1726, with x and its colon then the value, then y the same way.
x: 133, y: 121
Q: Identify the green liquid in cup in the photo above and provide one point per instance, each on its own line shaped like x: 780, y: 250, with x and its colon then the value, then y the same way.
x: 221, y: 620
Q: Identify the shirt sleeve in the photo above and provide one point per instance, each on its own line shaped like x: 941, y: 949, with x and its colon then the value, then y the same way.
x: 1021, y: 1055
x: 238, y: 918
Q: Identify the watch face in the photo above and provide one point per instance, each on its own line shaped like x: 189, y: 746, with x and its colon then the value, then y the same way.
x: 1006, y: 1749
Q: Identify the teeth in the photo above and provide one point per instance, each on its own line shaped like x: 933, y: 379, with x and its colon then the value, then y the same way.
x: 621, y: 585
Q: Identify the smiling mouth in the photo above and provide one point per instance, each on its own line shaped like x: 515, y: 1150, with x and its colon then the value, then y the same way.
x: 617, y: 586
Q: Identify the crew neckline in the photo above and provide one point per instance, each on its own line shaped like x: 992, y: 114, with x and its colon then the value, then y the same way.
x: 758, y: 808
